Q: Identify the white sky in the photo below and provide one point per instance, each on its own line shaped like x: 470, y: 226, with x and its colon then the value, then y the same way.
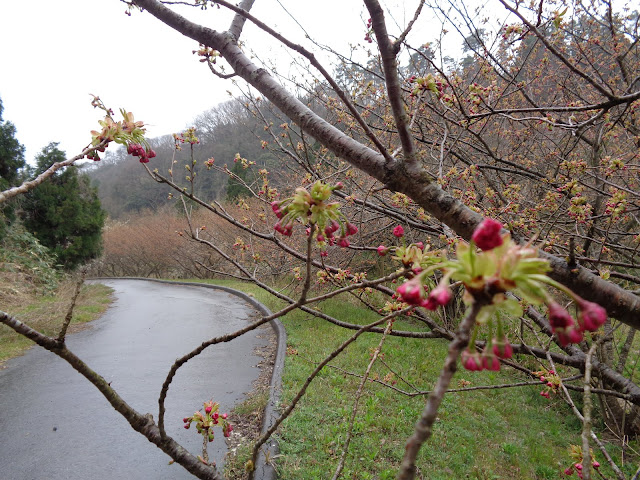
x: 54, y: 53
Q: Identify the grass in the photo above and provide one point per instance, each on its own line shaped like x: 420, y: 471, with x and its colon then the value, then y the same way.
x: 489, y: 434
x: 47, y: 312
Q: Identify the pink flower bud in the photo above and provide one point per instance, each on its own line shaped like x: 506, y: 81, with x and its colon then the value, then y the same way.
x: 187, y: 425
x: 596, y: 464
x: 490, y: 361
x: 275, y: 206
x: 441, y: 295
x: 429, y: 304
x: 343, y: 242
x: 339, y: 186
x: 591, y: 315
x: 569, y: 335
x: 411, y: 292
x: 420, y: 245
x: 487, y: 235
x: 185, y: 419
x: 224, y: 416
x: 320, y: 238
x: 568, y: 471
x: 471, y: 361
x: 382, y: 250
x: 208, y: 409
x: 351, y: 229
x: 502, y: 348
x: 331, y: 228
x: 398, y: 231
x: 324, y: 253
x: 558, y: 316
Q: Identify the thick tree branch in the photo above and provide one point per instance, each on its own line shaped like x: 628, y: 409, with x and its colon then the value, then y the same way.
x: 416, y: 184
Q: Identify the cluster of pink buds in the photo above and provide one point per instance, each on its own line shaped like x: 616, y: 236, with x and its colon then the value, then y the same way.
x: 488, y: 267
x: 497, y: 348
x: 578, y: 462
x: 311, y: 208
x: 207, y: 420
x: 413, y: 292
x: 368, y: 37
x: 591, y: 317
x: 530, y: 279
x: 138, y: 150
x: 578, y: 469
x: 551, y: 382
x: 125, y: 132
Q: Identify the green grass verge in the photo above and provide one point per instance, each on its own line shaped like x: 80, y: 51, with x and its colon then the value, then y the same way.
x: 488, y: 434
x: 46, y: 314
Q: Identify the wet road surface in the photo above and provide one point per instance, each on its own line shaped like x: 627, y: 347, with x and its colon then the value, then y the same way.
x: 55, y: 425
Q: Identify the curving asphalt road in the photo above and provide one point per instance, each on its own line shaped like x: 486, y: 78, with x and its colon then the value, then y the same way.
x: 54, y: 425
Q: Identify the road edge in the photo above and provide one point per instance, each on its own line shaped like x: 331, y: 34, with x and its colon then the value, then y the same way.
x: 264, y: 470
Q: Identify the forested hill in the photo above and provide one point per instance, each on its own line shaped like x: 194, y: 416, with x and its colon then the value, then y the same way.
x: 125, y: 187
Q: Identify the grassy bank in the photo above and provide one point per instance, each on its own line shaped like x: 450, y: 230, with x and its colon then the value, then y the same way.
x: 47, y: 312
x: 509, y: 433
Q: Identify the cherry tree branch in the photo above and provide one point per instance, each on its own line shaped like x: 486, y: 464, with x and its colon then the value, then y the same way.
x: 31, y: 184
x: 416, y: 183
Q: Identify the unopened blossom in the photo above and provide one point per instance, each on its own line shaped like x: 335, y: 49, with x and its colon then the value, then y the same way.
x: 490, y: 361
x: 502, y: 348
x: 441, y: 295
x: 382, y: 250
x: 591, y: 316
x: 563, y: 325
x: 487, y: 235
x: 398, y: 231
x: 471, y: 361
x: 351, y: 229
x: 411, y: 292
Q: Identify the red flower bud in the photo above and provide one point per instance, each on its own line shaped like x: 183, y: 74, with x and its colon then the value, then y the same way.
x: 351, y: 229
x: 275, y: 206
x: 471, y: 361
x: 558, y: 316
x: 398, y: 231
x: 343, y: 242
x: 382, y: 250
x: 490, y: 361
x: 411, y: 292
x: 591, y: 315
x: 441, y: 295
x: 487, y: 235
x: 502, y: 348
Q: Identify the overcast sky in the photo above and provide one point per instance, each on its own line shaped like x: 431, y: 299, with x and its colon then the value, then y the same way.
x: 55, y: 53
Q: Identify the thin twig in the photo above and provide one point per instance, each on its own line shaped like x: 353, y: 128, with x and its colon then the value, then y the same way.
x: 424, y: 426
x: 69, y: 316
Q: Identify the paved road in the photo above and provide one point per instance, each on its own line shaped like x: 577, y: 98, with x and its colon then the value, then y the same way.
x: 54, y: 425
